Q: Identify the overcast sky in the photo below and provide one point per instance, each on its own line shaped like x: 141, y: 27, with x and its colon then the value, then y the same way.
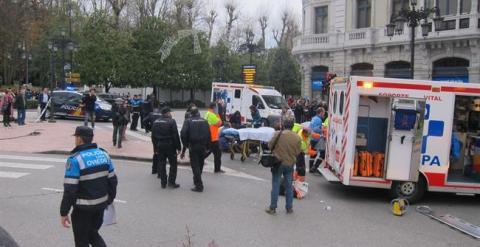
x: 250, y: 10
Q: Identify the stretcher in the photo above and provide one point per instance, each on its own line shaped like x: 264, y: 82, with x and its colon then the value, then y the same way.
x: 254, y: 138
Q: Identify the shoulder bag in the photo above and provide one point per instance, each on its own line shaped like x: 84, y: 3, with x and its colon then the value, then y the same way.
x: 268, y: 159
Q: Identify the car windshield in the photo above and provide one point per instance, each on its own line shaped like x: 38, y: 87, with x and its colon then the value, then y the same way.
x: 274, y: 101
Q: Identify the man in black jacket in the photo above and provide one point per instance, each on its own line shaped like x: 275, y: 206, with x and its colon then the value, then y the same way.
x: 21, y: 104
x: 147, y: 108
x: 167, y: 144
x: 148, y: 122
x: 196, y: 136
x: 88, y: 102
x: 90, y: 185
x: 120, y: 120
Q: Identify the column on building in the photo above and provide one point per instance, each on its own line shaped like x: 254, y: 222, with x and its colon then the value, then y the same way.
x: 307, y: 82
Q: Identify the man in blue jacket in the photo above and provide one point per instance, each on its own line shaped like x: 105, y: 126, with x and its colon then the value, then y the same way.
x: 90, y: 185
x: 316, y: 126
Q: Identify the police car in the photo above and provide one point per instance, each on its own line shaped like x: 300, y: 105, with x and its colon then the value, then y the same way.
x: 67, y: 104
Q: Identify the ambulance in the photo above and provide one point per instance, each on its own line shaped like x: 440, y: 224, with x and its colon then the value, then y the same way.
x: 407, y: 136
x: 239, y: 97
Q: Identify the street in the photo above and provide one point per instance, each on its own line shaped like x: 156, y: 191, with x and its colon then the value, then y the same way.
x: 229, y: 211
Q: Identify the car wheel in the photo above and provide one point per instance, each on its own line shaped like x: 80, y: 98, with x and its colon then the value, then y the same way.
x: 412, y: 191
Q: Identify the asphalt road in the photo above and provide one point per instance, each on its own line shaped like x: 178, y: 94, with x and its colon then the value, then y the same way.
x: 229, y: 211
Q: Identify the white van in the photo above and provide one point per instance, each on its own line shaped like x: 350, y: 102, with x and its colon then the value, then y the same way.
x: 423, y: 136
x: 239, y: 97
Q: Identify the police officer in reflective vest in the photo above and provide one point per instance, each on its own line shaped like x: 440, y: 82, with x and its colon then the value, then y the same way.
x: 215, y: 122
x: 148, y: 122
x: 90, y: 185
x: 196, y: 136
x: 166, y: 142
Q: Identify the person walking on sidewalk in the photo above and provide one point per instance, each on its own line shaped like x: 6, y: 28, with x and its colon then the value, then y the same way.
x: 135, y: 103
x: 288, y: 147
x: 88, y: 102
x: 43, y: 99
x: 21, y: 104
x: 148, y: 122
x: 90, y: 185
x: 7, y: 107
x: 166, y: 142
x: 215, y: 123
x: 196, y: 136
x: 119, y: 120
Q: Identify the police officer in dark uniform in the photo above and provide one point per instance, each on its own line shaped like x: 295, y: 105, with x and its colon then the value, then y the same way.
x: 148, y: 122
x: 147, y: 108
x: 167, y: 144
x: 196, y: 136
x: 90, y: 185
x: 136, y: 108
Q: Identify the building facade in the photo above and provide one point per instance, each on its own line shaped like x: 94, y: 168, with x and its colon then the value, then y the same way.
x: 348, y: 37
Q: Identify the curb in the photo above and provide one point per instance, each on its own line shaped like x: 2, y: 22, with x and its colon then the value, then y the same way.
x: 115, y: 157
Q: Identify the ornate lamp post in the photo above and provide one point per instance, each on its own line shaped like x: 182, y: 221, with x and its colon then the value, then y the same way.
x: 413, y: 17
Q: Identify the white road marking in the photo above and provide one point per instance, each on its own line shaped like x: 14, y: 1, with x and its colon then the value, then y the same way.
x: 61, y: 191
x: 12, y: 174
x: 24, y: 166
x: 209, y: 167
x: 32, y: 158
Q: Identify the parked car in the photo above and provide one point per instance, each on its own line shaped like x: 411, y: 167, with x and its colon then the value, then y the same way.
x: 110, y: 98
x: 67, y: 105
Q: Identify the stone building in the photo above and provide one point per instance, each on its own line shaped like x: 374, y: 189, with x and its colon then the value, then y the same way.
x: 348, y: 37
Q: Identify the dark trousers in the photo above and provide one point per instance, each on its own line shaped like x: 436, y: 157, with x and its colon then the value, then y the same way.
x: 85, y: 225
x: 43, y: 111
x: 134, y: 124
x: 6, y: 119
x: 154, y: 161
x: 217, y: 155
x: 162, y: 155
x: 89, y: 115
x: 117, y: 135
x: 301, y: 164
x: 197, y: 161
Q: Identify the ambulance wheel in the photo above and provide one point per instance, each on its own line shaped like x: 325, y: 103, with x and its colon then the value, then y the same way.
x: 412, y: 191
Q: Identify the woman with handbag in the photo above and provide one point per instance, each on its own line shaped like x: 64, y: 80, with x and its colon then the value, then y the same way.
x: 6, y: 104
x: 286, y: 146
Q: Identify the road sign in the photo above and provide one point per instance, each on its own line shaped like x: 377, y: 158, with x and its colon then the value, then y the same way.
x: 249, y: 73
x: 72, y: 77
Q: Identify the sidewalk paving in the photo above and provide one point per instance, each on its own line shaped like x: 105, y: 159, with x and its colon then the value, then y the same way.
x: 44, y: 137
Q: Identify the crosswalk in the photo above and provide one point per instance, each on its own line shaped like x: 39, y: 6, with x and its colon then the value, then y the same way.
x: 14, y: 166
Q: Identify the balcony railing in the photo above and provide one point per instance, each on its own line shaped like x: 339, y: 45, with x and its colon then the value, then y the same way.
x: 458, y: 26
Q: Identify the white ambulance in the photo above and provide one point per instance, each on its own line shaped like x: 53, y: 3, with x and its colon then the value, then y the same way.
x: 239, y: 97
x: 408, y: 136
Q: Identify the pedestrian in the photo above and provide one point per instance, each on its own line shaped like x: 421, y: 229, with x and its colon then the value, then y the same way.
x: 316, y: 125
x: 221, y: 109
x: 166, y: 142
x: 256, y: 118
x: 298, y: 111
x: 7, y: 107
x: 135, y: 103
x: 90, y: 185
x: 148, y: 122
x: 236, y: 120
x: 88, y: 103
x: 189, y: 109
x: 43, y: 99
x: 21, y: 104
x: 215, y: 122
x: 287, y: 148
x: 196, y: 136
x: 286, y: 114
x: 146, y: 108
x: 127, y: 116
x: 119, y: 121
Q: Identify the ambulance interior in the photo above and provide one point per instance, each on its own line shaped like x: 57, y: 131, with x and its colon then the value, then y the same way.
x: 388, y: 130
x: 465, y: 143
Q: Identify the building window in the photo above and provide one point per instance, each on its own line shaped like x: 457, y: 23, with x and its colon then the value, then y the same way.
x: 465, y: 6
x: 447, y: 7
x: 399, y: 5
x: 321, y: 19
x: 363, y: 13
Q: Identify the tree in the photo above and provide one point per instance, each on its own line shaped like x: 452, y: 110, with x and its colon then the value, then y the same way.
x: 117, y: 7
x: 284, y: 72
x: 263, y: 20
x: 210, y: 20
x: 232, y: 16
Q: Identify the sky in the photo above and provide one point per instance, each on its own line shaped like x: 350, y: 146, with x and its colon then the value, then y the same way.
x: 250, y: 10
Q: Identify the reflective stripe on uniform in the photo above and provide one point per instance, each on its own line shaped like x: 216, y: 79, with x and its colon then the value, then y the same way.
x: 81, y: 164
x: 92, y: 202
x: 94, y: 176
x: 111, y: 174
x: 70, y: 181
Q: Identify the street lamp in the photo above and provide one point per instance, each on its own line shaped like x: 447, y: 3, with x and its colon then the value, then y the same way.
x: 249, y: 46
x: 52, y: 47
x: 413, y: 17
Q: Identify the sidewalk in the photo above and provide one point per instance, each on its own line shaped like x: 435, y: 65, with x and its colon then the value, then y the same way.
x: 57, y: 138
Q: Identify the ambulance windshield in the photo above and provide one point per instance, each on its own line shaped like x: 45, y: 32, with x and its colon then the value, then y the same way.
x: 274, y: 101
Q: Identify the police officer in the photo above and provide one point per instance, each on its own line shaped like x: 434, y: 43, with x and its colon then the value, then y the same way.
x: 148, y: 122
x: 147, y: 108
x: 136, y: 108
x: 90, y: 185
x: 196, y: 136
x: 166, y: 145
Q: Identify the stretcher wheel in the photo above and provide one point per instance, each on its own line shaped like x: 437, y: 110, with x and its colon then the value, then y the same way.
x: 242, y: 158
x: 232, y: 156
